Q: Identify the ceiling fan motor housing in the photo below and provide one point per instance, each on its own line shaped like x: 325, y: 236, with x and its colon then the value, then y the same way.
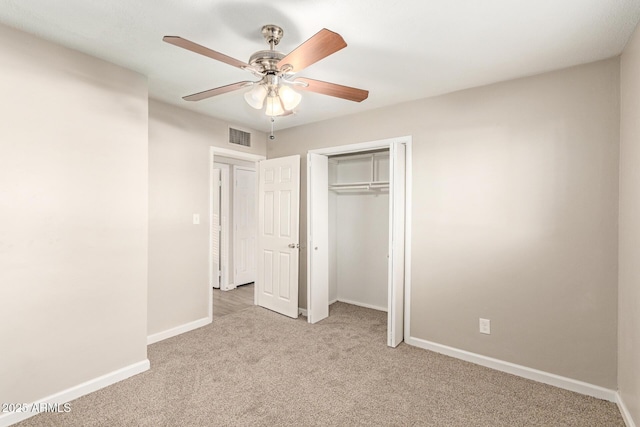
x: 267, y: 60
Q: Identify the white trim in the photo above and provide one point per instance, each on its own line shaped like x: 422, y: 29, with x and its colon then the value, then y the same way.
x: 226, y: 220
x: 77, y: 391
x: 308, y: 236
x: 302, y: 311
x: 408, y: 190
x: 225, y: 229
x: 624, y: 411
x: 209, y: 308
x: 245, y: 168
x: 519, y: 370
x: 362, y: 304
x: 225, y: 152
x: 151, y: 339
x: 333, y: 301
x: 361, y: 146
x: 211, y: 272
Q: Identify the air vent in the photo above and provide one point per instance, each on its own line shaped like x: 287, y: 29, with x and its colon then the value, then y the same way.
x: 239, y: 137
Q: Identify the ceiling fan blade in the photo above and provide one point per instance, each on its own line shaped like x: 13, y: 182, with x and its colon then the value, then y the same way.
x: 321, y: 45
x: 332, y: 89
x: 217, y: 91
x: 195, y: 47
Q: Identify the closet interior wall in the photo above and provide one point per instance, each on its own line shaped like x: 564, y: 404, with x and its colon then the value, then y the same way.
x: 359, y: 229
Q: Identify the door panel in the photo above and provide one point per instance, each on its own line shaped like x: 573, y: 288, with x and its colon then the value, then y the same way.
x: 221, y: 205
x: 244, y: 218
x: 278, y: 234
x: 318, y: 237
x: 215, y: 230
x: 397, y: 182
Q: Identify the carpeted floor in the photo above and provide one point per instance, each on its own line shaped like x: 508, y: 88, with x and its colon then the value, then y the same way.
x: 257, y: 368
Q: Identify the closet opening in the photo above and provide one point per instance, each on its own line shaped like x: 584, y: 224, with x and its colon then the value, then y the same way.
x: 358, y: 196
x: 358, y: 226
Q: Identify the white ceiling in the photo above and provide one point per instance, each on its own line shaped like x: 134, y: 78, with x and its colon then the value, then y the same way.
x: 399, y: 50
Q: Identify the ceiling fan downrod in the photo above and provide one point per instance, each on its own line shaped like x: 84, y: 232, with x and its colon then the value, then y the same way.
x: 272, y: 34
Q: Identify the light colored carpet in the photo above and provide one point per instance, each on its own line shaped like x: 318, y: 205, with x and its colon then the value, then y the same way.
x: 257, y: 368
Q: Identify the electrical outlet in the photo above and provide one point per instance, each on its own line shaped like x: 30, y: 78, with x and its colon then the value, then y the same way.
x: 196, y: 219
x: 485, y: 326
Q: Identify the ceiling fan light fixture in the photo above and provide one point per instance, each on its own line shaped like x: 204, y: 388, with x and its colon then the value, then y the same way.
x: 290, y: 98
x: 274, y: 106
x: 255, y: 97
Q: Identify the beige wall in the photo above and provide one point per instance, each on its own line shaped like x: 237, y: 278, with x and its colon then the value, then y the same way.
x: 73, y: 218
x: 514, y: 215
x: 629, y: 249
x: 179, y: 142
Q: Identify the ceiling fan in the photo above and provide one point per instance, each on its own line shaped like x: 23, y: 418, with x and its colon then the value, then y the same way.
x: 276, y: 71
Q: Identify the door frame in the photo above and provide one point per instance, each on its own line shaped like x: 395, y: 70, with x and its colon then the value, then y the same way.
x: 367, y: 146
x: 233, y: 154
x: 225, y: 224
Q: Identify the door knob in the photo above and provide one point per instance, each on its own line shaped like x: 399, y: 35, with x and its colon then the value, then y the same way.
x: 294, y: 245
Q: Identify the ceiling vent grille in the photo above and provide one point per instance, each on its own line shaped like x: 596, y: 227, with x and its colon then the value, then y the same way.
x: 239, y: 137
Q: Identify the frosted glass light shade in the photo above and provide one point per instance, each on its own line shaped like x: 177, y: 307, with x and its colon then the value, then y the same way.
x: 255, y: 97
x: 290, y: 98
x: 274, y: 108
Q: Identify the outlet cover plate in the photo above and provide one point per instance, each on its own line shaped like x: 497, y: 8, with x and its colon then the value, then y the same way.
x: 485, y: 326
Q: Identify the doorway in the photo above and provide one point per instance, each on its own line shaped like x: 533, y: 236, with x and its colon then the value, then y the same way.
x: 276, y: 201
x: 232, y: 228
x: 234, y: 223
x: 398, y: 182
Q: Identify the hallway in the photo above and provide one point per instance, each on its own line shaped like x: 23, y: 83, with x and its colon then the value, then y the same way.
x: 227, y: 302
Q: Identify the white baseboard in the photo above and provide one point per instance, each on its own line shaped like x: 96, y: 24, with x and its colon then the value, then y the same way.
x: 626, y: 415
x: 178, y: 330
x: 302, y: 311
x: 77, y: 391
x: 519, y: 370
x: 361, y: 304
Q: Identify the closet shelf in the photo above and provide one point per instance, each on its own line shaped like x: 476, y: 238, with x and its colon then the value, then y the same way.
x: 374, y: 186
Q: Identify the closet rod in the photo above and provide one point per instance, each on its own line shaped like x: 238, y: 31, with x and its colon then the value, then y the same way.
x: 369, y: 187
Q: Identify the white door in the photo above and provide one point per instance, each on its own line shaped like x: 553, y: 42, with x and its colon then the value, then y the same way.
x: 244, y: 223
x: 220, y: 252
x: 397, y: 183
x: 216, y: 226
x: 318, y: 237
x: 278, y: 234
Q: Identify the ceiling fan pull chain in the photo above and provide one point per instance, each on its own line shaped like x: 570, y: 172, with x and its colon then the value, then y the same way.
x: 272, y: 136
